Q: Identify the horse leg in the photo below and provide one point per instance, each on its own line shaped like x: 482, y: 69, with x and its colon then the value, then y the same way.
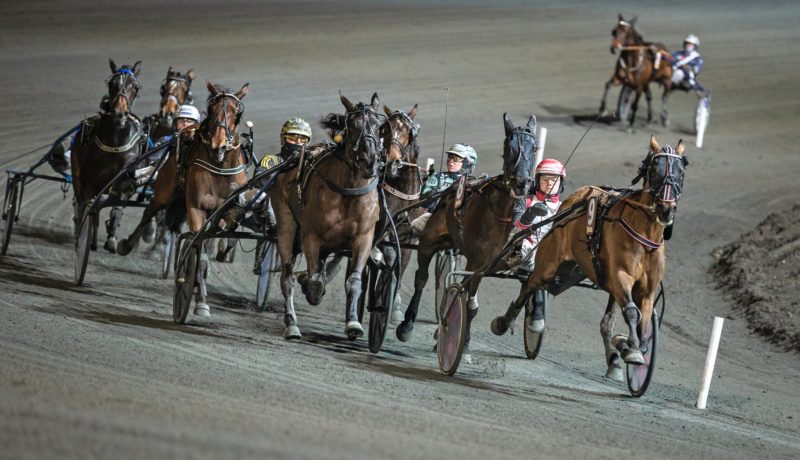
x: 664, y: 113
x: 397, y: 312
x: 613, y: 359
x: 313, y: 283
x: 361, y: 251
x: 126, y: 245
x: 649, y: 96
x: 114, y: 218
x: 634, y: 106
x: 613, y: 81
x: 285, y: 250
x: 96, y: 223
x: 472, y: 306
x: 201, y: 308
x: 405, y: 328
x: 502, y: 323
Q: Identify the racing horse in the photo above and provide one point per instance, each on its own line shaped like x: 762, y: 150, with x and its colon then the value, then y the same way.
x: 334, y: 205
x: 480, y: 226
x: 105, y: 145
x: 621, y: 252
x: 176, y: 90
x: 639, y: 64
x: 217, y: 168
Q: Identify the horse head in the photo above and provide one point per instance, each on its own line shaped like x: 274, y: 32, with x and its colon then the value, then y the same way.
x: 399, y: 135
x: 363, y: 144
x: 224, y: 109
x: 123, y: 86
x: 623, y: 33
x: 663, y: 170
x: 518, y: 152
x: 175, y: 91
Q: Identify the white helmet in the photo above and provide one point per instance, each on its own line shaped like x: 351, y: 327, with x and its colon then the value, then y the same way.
x: 692, y: 38
x: 189, y: 112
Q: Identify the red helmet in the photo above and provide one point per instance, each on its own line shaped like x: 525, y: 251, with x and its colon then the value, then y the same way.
x: 551, y: 166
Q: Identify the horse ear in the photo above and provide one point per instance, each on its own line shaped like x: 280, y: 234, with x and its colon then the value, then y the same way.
x: 680, y: 148
x: 112, y: 65
x: 509, y: 125
x: 532, y: 123
x: 387, y: 110
x: 654, y: 147
x: 243, y: 92
x: 633, y: 21
x: 211, y: 88
x: 619, y: 17
x: 190, y: 75
x: 137, y: 67
x: 170, y: 70
x: 375, y: 101
x: 346, y: 102
x: 413, y: 112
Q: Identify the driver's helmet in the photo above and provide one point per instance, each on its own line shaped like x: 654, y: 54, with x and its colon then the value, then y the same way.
x: 550, y: 166
x: 296, y: 126
x: 188, y: 112
x: 692, y: 39
x: 469, y: 155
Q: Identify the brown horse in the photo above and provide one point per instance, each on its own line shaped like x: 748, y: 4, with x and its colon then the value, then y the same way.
x: 623, y: 253
x: 106, y: 144
x: 480, y: 228
x: 217, y: 168
x: 334, y: 205
x: 639, y: 64
x: 402, y: 180
x: 175, y: 91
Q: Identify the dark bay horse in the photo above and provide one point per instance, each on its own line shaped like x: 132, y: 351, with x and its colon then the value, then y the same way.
x: 175, y: 91
x: 334, y: 205
x: 624, y: 255
x: 106, y: 144
x: 639, y: 63
x: 217, y: 168
x: 480, y: 228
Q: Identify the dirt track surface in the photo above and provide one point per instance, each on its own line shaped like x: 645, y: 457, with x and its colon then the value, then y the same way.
x: 102, y: 371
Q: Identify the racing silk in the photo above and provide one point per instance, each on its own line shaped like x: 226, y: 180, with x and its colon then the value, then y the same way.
x: 553, y: 202
x: 688, y: 58
x: 437, y: 183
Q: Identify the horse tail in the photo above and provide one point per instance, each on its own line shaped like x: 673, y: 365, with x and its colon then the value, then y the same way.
x: 175, y: 216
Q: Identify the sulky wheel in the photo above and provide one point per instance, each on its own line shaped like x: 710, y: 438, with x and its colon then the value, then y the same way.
x: 168, y: 253
x: 623, y: 105
x: 446, y: 262
x: 83, y: 242
x: 266, y: 272
x: 185, y: 281
x: 452, y: 333
x: 10, y: 211
x: 639, y: 376
x: 533, y: 340
x: 380, y: 307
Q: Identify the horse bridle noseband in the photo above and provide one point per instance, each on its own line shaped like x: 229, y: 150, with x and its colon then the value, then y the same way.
x: 522, y: 132
x: 169, y: 83
x: 413, y: 130
x: 127, y: 75
x: 352, y: 148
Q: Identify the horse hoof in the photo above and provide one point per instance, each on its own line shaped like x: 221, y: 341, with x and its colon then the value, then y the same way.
x: 397, y: 317
x: 314, y: 290
x: 499, y: 325
x: 124, y: 248
x: 404, y: 331
x: 537, y: 326
x: 202, y: 309
x: 353, y: 330
x: 632, y: 356
x: 615, y: 373
x: 630, y: 130
x: 292, y: 333
x: 111, y: 245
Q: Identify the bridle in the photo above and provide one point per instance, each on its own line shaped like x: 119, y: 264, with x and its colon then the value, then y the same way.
x: 352, y: 147
x: 168, y: 86
x: 221, y: 118
x: 413, y: 131
x: 521, y: 133
x: 665, y: 187
x: 128, y: 80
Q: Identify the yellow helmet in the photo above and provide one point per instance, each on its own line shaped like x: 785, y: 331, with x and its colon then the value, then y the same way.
x: 296, y: 126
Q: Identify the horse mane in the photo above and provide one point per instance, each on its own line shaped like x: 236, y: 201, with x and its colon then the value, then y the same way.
x: 333, y: 124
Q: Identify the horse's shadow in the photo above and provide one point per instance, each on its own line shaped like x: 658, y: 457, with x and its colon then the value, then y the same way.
x: 28, y: 275
x: 49, y: 235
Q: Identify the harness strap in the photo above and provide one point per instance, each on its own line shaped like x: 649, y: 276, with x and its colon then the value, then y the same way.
x: 220, y: 171
x: 639, y: 238
x: 401, y: 195
x: 350, y: 191
x: 120, y: 149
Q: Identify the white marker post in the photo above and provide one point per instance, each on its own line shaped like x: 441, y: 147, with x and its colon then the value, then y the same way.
x: 540, y: 151
x: 711, y: 358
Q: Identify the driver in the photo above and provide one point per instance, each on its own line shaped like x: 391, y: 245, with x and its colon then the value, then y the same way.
x: 687, y: 64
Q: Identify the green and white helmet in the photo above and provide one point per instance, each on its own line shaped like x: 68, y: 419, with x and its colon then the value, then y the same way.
x: 466, y: 152
x: 296, y: 126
